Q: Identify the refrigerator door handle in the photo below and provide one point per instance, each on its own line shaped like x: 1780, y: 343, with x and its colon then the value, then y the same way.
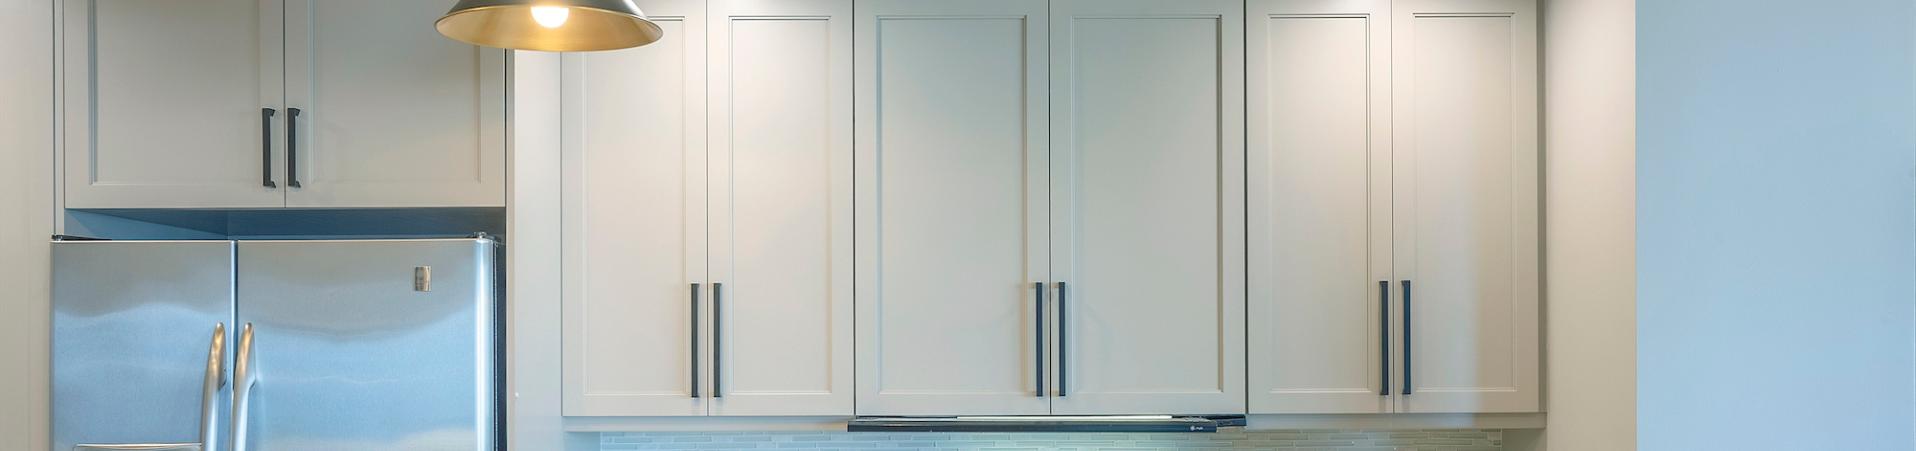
x: 209, y: 393
x: 242, y: 386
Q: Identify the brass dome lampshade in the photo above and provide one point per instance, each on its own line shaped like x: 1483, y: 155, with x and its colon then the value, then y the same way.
x: 550, y: 25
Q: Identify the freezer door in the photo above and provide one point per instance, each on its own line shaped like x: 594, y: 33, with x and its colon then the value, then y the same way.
x: 134, y: 337
x: 374, y: 345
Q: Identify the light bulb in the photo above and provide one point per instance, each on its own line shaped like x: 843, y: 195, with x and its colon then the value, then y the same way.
x: 550, y: 16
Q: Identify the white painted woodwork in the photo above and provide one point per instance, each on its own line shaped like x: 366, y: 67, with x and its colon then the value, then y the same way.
x: 163, y: 102
x: 533, y: 261
x: 780, y: 95
x: 1466, y: 202
x: 952, y: 205
x: 1320, y: 187
x: 1148, y: 207
x: 392, y: 113
x: 635, y: 223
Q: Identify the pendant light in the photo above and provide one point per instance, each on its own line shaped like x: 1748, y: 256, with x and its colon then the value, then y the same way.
x: 550, y: 25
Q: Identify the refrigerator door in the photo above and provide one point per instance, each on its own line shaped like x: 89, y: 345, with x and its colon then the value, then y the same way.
x: 374, y: 345
x: 141, y: 338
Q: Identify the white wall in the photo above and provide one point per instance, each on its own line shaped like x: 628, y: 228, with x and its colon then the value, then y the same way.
x: 1776, y: 224
x: 26, y: 219
x: 1590, y: 224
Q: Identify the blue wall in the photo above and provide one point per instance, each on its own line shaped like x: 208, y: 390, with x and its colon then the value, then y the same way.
x: 1776, y: 224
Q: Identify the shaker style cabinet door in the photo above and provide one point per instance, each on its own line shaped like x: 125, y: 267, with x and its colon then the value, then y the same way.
x: 952, y: 205
x: 780, y: 95
x: 390, y: 113
x: 635, y: 224
x: 1320, y: 199
x: 1465, y: 150
x: 172, y: 104
x: 1147, y: 211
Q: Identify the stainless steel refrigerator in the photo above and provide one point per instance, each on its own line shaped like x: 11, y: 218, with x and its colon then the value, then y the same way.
x: 362, y: 345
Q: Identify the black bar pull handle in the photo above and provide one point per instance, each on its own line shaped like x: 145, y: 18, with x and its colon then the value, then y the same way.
x: 695, y: 340
x: 1383, y: 315
x: 1407, y: 348
x: 1064, y: 321
x: 718, y: 347
x: 266, y: 147
x: 292, y: 147
x: 1039, y: 337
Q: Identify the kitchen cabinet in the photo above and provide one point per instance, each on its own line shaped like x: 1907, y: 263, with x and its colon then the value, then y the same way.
x: 1069, y: 207
x: 173, y: 104
x: 1147, y: 218
x: 277, y: 103
x: 1050, y: 207
x: 708, y: 215
x: 634, y: 195
x: 953, y: 206
x: 1394, y: 211
x: 1320, y: 199
x: 392, y: 114
x: 1465, y: 163
x: 780, y: 170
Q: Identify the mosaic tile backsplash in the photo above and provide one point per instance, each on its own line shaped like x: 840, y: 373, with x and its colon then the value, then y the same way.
x: 1305, y: 440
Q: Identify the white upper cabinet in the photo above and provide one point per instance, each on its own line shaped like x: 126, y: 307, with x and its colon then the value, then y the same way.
x: 952, y: 206
x: 635, y: 286
x: 391, y: 113
x: 1147, y: 217
x: 1466, y: 251
x: 1050, y: 207
x: 172, y: 104
x: 781, y: 206
x: 708, y: 211
x: 1320, y: 199
x: 191, y: 105
x: 1394, y: 206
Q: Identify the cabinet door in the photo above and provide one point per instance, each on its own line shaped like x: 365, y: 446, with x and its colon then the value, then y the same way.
x: 1319, y: 205
x: 635, y: 230
x: 952, y: 203
x: 391, y: 113
x: 165, y: 104
x: 1148, y: 205
x: 1465, y: 146
x: 781, y: 208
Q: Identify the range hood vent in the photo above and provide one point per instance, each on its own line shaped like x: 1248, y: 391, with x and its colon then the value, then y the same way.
x: 1111, y: 423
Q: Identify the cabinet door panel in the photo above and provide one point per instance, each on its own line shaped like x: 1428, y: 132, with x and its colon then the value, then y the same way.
x: 1466, y: 162
x: 952, y: 202
x: 781, y: 207
x: 392, y: 113
x: 635, y: 232
x: 1148, y: 225
x: 1320, y: 205
x: 163, y: 103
